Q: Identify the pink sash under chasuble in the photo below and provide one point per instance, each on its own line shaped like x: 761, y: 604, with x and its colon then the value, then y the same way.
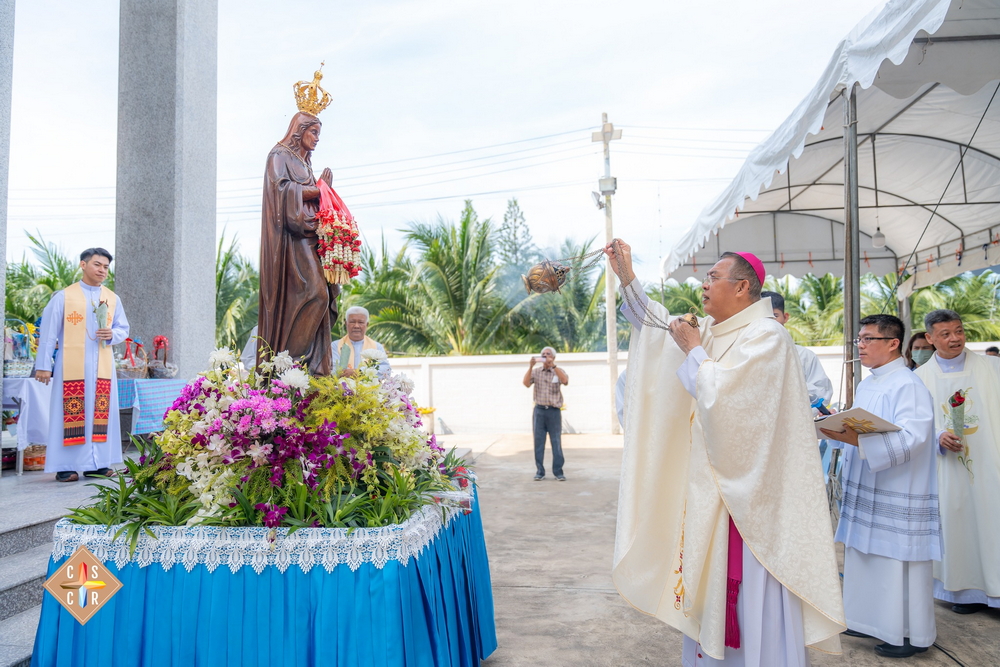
x: 78, y: 310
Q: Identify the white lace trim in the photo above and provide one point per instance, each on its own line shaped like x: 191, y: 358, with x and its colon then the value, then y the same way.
x: 263, y: 547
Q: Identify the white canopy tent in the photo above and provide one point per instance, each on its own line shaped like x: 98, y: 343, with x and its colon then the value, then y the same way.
x: 927, y: 157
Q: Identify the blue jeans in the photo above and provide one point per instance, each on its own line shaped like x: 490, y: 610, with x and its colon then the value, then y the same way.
x: 548, y: 420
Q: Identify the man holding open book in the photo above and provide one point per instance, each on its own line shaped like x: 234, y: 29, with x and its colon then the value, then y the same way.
x: 889, y: 520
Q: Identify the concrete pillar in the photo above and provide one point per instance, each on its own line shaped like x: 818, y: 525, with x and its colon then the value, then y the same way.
x: 165, y: 218
x: 6, y: 76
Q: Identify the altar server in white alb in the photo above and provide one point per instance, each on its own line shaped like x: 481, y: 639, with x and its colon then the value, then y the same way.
x: 723, y: 524
x: 817, y: 383
x: 889, y: 519
x: 968, y: 575
x: 84, y: 433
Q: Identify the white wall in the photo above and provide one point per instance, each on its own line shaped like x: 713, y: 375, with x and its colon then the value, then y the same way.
x: 485, y: 394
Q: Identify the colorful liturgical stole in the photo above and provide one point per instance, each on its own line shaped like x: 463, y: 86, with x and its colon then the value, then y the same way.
x: 74, y: 345
x: 368, y: 344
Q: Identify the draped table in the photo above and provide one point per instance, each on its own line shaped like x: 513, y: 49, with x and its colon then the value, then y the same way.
x: 149, y: 399
x: 412, y: 594
x: 31, y: 399
x: 143, y: 403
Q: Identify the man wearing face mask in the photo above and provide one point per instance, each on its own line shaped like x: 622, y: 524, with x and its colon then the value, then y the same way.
x: 966, y: 390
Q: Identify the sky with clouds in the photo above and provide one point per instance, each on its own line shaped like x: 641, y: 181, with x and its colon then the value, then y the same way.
x: 436, y: 102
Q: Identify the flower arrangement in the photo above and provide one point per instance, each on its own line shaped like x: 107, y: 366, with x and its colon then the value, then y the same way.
x: 339, y: 246
x: 276, y: 447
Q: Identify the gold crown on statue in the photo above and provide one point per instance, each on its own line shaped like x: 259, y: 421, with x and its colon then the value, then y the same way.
x: 309, y: 97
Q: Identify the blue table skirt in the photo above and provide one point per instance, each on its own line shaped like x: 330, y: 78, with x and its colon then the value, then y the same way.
x: 435, y: 611
x: 149, y: 399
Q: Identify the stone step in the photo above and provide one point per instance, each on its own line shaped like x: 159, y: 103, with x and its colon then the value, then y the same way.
x: 22, y: 576
x: 27, y: 535
x: 17, y: 637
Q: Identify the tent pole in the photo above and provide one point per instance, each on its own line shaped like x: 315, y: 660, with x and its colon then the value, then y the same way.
x: 852, y: 241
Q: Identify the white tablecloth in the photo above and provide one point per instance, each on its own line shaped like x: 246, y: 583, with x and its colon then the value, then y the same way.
x: 31, y: 399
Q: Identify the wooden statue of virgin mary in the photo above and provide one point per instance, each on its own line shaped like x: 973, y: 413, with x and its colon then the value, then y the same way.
x: 297, y: 306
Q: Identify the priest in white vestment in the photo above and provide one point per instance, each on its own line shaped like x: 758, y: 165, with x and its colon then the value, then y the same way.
x: 71, y: 334
x: 817, y: 383
x: 723, y: 524
x: 968, y: 575
x: 889, y: 519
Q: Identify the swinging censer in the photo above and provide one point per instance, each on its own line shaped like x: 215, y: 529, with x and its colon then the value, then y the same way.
x: 549, y: 275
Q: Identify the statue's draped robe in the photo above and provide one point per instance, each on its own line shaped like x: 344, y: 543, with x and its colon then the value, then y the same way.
x: 297, y: 306
x: 746, y: 448
x: 969, y: 570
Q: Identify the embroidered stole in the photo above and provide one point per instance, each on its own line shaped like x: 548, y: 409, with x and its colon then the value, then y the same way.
x: 367, y: 344
x: 74, y: 345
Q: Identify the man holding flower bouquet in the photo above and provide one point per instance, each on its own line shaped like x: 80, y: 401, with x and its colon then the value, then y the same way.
x: 966, y: 389
x: 79, y: 326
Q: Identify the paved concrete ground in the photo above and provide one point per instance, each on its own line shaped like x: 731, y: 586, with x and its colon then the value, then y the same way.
x: 551, y: 545
x: 36, y: 496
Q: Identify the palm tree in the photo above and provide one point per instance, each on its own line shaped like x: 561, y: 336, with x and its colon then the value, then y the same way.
x: 878, y: 294
x: 976, y: 298
x: 678, y: 298
x: 816, y: 308
x: 237, y: 289
x: 448, y: 301
x: 384, y: 289
x: 30, y: 287
x: 455, y: 282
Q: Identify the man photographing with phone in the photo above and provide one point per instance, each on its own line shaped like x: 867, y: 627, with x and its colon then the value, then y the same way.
x: 547, y: 418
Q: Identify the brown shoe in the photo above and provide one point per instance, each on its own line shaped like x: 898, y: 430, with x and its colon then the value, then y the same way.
x: 67, y: 476
x: 100, y: 472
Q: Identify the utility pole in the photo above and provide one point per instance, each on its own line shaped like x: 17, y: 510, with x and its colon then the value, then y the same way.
x: 607, y: 186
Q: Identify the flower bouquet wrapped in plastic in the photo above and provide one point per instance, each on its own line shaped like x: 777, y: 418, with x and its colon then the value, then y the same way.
x: 339, y: 246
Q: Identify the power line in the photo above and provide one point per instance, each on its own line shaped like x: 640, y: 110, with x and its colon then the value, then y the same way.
x: 697, y: 129
x: 699, y: 157
x: 456, y: 152
x: 349, y: 180
x: 633, y: 135
x: 687, y: 148
x: 373, y: 179
x: 238, y: 215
